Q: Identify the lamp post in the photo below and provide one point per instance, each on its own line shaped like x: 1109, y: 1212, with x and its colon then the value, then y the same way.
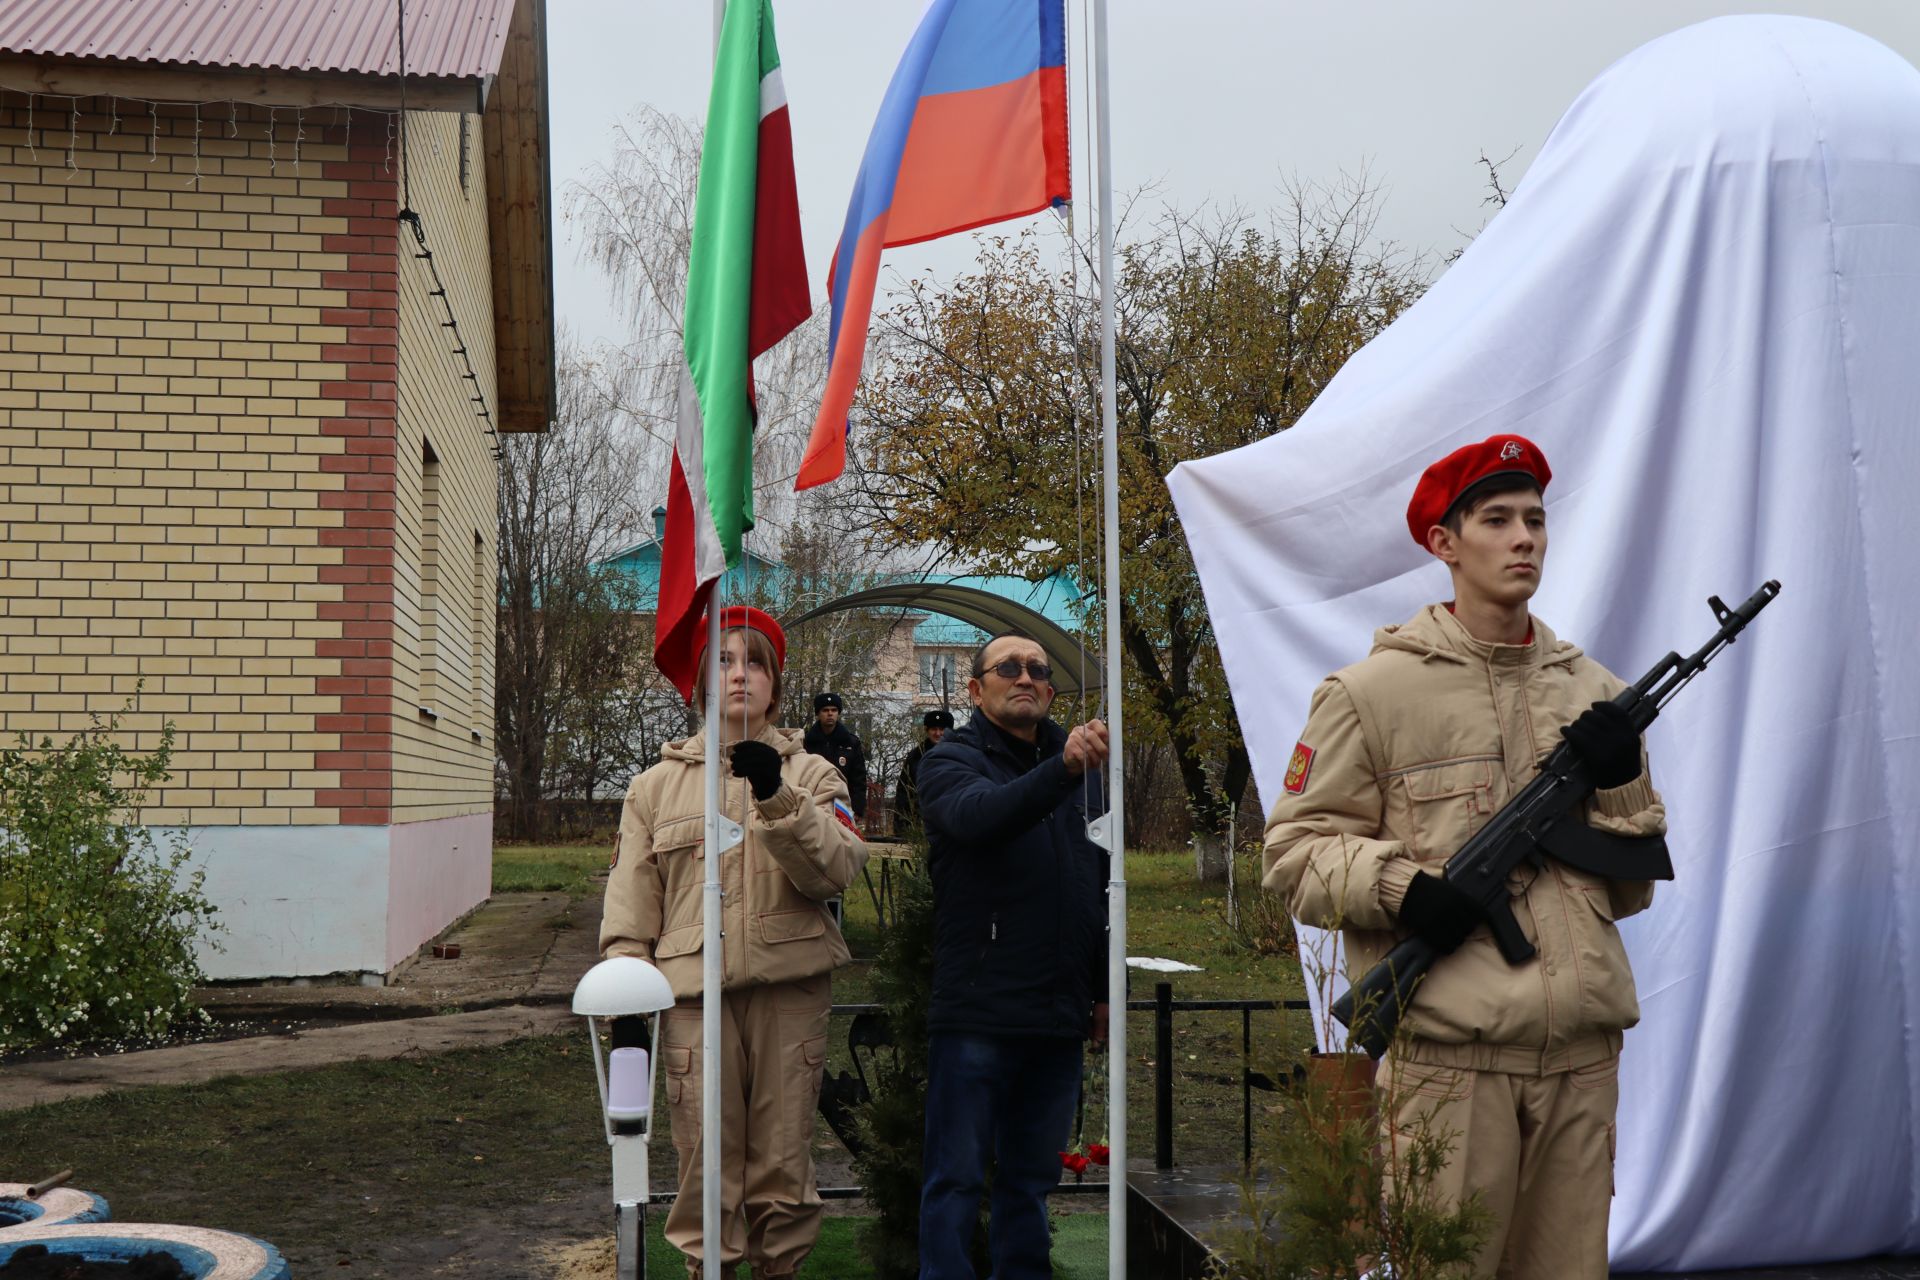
x: 626, y: 987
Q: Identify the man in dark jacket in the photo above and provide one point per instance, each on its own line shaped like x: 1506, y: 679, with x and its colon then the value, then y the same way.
x: 1019, y: 959
x: 828, y: 738
x: 906, y: 792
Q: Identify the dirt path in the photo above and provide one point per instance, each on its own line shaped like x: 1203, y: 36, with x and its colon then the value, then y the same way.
x: 520, y: 956
x: 31, y: 1084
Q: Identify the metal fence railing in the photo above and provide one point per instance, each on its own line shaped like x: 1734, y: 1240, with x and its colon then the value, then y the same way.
x: 1163, y: 1006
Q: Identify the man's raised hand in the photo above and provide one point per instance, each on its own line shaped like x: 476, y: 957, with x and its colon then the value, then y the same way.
x: 1086, y: 747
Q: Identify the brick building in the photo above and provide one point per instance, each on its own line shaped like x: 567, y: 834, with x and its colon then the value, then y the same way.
x: 247, y: 431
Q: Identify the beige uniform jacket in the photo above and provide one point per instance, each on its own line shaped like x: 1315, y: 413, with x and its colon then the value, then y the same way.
x: 1405, y: 755
x: 797, y: 855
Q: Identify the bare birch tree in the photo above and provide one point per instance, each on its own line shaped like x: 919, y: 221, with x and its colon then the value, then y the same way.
x: 570, y: 653
x: 634, y: 215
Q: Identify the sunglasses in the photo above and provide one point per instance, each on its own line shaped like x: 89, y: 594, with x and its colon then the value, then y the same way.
x: 1011, y: 668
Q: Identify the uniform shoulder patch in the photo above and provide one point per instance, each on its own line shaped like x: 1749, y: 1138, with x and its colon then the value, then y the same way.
x: 1299, y: 767
x: 844, y: 812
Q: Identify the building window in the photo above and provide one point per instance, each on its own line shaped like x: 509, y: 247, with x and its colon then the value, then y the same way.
x: 940, y: 673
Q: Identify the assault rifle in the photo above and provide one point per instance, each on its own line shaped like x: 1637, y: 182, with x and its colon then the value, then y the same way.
x: 1542, y: 819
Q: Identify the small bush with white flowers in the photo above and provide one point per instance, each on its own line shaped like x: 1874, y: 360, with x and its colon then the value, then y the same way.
x: 97, y: 918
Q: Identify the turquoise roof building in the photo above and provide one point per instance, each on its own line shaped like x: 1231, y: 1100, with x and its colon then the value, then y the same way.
x: 1056, y: 597
x: 755, y: 574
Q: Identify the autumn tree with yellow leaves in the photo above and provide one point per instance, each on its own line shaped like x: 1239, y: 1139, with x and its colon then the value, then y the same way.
x: 978, y: 429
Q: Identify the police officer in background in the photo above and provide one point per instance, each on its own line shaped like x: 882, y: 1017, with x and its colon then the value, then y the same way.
x: 828, y: 738
x: 906, y: 792
x: 1405, y: 755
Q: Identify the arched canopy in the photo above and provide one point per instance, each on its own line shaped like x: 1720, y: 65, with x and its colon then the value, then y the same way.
x: 1074, y: 669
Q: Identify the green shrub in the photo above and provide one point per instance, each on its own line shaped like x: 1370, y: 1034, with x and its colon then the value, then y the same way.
x: 1328, y: 1197
x: 97, y: 922
x: 894, y: 1124
x: 1257, y: 920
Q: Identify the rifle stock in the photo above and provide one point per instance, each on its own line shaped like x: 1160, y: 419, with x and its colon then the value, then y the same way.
x: 1372, y: 1008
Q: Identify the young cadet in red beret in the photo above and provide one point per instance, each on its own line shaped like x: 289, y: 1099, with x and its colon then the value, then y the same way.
x: 1405, y: 755
x: 801, y: 849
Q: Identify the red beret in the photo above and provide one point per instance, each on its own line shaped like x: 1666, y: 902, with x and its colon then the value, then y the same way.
x: 740, y: 615
x: 1442, y: 483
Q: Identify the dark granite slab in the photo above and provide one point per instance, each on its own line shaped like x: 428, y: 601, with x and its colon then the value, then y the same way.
x: 1171, y: 1212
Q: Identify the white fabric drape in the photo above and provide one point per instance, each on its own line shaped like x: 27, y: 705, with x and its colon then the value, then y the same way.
x: 1703, y: 302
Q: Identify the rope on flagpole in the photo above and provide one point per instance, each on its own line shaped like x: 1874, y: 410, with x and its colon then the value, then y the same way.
x: 1113, y: 823
x: 712, y: 972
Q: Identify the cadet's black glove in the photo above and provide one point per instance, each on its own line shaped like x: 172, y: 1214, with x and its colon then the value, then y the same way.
x: 1438, y: 912
x: 1604, y: 739
x: 759, y: 764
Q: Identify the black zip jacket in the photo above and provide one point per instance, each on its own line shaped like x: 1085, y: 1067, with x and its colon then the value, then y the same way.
x: 1019, y: 892
x: 843, y: 751
x: 906, y: 793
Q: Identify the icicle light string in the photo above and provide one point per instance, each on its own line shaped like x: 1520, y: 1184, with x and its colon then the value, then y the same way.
x: 424, y: 253
x: 406, y: 176
x: 198, y: 109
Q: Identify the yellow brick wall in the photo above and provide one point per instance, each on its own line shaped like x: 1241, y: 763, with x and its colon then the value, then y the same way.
x: 193, y: 376
x: 445, y: 529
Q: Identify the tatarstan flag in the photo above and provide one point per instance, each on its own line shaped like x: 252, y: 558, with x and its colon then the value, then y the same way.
x: 746, y: 289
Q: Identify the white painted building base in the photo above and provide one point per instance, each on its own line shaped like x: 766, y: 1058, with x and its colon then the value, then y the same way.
x: 309, y: 902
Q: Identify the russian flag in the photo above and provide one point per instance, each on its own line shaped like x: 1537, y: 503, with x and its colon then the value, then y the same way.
x: 973, y: 130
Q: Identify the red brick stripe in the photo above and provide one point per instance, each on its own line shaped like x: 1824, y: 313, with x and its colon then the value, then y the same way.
x: 366, y: 533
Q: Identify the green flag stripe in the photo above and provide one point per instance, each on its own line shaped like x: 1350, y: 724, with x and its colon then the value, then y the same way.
x: 720, y: 271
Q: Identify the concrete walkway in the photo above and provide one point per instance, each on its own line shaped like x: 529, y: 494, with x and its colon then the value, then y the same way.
x: 517, y: 948
x: 520, y: 956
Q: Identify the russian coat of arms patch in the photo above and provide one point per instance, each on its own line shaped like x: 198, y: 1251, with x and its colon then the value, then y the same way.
x: 1299, y: 767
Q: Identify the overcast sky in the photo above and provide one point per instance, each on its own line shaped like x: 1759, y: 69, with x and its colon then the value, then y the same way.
x: 1212, y: 99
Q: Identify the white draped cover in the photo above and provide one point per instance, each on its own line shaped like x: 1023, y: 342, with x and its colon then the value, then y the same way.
x: 1703, y: 302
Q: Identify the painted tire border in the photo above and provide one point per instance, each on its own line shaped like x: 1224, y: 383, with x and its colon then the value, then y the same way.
x: 62, y: 1204
x: 209, y: 1254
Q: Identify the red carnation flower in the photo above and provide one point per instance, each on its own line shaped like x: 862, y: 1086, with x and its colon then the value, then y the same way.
x: 1073, y: 1161
x: 1098, y: 1152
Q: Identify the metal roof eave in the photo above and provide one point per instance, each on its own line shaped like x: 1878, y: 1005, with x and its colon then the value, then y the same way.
x: 987, y: 611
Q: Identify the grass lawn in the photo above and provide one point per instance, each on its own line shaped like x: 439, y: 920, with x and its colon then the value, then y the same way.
x: 478, y: 1162
x: 1172, y: 916
x: 465, y: 1160
x: 483, y: 1164
x: 550, y: 868
x: 1079, y: 1249
x: 1169, y: 915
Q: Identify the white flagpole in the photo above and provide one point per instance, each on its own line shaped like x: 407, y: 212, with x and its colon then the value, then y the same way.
x: 711, y: 969
x: 1115, y: 818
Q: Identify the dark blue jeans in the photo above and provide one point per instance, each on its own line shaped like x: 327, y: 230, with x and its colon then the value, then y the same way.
x: 1008, y: 1099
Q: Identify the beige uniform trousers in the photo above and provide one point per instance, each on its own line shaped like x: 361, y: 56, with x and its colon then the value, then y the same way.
x: 1538, y: 1149
x: 773, y: 1048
